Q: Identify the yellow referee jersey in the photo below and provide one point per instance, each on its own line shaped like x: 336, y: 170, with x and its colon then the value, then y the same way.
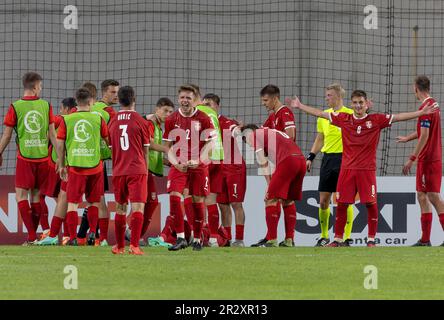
x: 332, y: 134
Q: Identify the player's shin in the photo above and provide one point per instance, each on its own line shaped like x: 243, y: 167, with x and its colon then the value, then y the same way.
x: 341, y: 220
x: 199, y: 214
x: 349, y: 224
x: 136, y: 227
x: 372, y: 218
x: 290, y: 220
x: 25, y: 213
x: 119, y: 228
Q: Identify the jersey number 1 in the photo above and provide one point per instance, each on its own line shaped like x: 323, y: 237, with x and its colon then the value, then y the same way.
x: 124, y: 142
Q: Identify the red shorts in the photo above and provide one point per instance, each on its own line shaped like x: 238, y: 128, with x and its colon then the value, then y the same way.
x: 152, y: 189
x: 90, y: 185
x: 352, y: 181
x: 428, y: 176
x: 52, y: 184
x: 196, y: 180
x: 31, y: 175
x: 234, y: 186
x: 216, y: 177
x: 286, y: 181
x: 133, y: 187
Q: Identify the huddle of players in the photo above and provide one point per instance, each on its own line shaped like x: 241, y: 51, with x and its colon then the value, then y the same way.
x: 198, y: 174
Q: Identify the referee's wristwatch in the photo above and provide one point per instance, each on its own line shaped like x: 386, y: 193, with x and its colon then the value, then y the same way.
x: 311, y: 156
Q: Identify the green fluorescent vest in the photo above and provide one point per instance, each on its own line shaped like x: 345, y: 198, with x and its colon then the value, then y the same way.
x: 99, y: 108
x: 156, y: 157
x: 218, y: 150
x: 32, y: 127
x: 83, y: 139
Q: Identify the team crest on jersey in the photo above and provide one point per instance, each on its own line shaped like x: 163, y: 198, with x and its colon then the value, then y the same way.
x: 368, y: 124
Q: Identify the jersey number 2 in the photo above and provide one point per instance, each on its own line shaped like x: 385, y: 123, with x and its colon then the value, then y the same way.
x: 124, y: 142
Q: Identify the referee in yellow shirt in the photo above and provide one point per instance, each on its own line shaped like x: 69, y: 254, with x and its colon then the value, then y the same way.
x: 329, y: 141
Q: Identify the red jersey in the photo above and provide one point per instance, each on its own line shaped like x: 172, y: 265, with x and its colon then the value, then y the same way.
x: 61, y: 134
x: 233, y: 160
x: 11, y: 121
x: 360, y: 138
x: 281, y: 119
x: 276, y: 145
x: 433, y: 148
x: 128, y: 138
x: 57, y: 120
x: 196, y: 129
x: 269, y: 123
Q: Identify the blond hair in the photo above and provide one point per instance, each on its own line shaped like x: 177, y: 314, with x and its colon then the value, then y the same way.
x: 336, y: 87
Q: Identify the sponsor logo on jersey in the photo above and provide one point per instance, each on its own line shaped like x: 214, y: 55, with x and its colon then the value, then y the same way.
x: 82, y: 131
x: 33, y: 121
x: 368, y: 124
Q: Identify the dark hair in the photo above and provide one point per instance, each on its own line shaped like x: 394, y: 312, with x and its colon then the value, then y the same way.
x: 188, y: 88
x: 83, y: 96
x: 249, y: 127
x: 212, y: 97
x: 107, y: 83
x: 30, y: 79
x: 91, y: 87
x: 422, y: 83
x: 271, y: 90
x: 69, y: 103
x: 126, y: 96
x: 359, y: 93
x: 164, y: 102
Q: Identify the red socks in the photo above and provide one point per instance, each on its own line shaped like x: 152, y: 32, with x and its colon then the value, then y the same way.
x: 119, y: 228
x: 136, y: 227
x: 36, y: 211
x: 103, y: 228
x: 199, y: 215
x: 44, y: 213
x: 93, y: 217
x: 426, y: 226
x: 177, y: 213
x: 148, y: 212
x: 272, y: 219
x: 56, y: 224
x: 25, y: 213
x: 372, y: 219
x: 189, y: 211
x: 341, y: 220
x: 290, y: 220
x: 239, y: 232
x: 65, y: 228
x: 72, y: 219
x: 441, y: 220
x: 213, y: 219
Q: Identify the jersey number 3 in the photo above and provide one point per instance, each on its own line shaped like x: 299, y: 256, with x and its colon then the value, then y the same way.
x: 124, y: 141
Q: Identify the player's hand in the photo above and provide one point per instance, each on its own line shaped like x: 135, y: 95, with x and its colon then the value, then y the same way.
x: 308, y: 164
x: 407, y: 167
x: 293, y: 102
x: 192, y: 164
x: 370, y: 103
x: 428, y: 109
x: 402, y: 139
x: 181, y: 167
x: 63, y: 172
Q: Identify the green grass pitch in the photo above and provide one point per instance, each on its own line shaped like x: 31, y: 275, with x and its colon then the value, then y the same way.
x: 222, y: 273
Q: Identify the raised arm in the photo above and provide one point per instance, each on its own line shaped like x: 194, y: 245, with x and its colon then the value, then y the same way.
x: 416, y: 114
x: 295, y: 103
x: 410, y: 137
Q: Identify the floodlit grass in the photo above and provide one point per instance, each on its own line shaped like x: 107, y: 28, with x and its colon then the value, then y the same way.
x: 222, y: 273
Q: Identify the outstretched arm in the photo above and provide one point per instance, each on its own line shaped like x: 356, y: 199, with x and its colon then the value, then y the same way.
x: 410, y: 137
x: 422, y: 141
x: 295, y: 103
x: 416, y: 114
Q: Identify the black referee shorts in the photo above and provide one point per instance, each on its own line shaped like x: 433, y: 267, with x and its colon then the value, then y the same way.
x: 329, y: 174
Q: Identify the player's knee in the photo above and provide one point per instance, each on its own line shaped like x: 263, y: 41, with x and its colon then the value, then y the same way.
x: 422, y: 197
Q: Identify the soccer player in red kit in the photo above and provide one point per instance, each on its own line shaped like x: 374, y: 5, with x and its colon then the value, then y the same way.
x: 360, y: 138
x: 80, y: 134
x: 129, y: 140
x: 189, y: 132
x: 33, y: 120
x: 234, y: 175
x: 285, y: 183
x: 54, y: 187
x: 428, y: 153
x: 280, y: 118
